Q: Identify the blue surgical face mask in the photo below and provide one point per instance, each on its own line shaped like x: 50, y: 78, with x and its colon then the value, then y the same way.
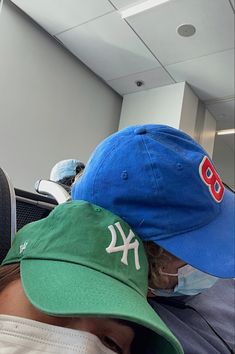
x: 191, y: 281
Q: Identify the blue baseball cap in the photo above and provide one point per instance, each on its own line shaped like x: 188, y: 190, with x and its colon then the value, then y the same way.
x: 164, y: 184
x: 65, y: 168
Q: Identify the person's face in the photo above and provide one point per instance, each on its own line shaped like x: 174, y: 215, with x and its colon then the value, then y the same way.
x: 171, y: 265
x: 172, y: 268
x: 114, y: 334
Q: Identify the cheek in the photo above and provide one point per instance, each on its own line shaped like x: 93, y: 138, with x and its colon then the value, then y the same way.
x: 79, y: 324
x: 173, y: 266
x: 166, y: 282
x: 172, y: 282
x: 87, y: 324
x: 54, y: 321
x: 121, y: 334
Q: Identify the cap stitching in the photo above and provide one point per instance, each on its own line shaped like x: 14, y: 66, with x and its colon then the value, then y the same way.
x: 186, y: 231
x: 101, y: 166
x: 151, y: 164
x: 105, y: 271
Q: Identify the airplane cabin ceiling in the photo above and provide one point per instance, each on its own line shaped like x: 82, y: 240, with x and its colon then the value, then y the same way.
x: 147, y: 46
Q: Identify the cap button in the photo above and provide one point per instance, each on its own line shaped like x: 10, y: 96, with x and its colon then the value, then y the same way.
x: 124, y: 175
x: 140, y: 130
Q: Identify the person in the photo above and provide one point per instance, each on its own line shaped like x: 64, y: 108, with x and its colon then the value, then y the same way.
x: 66, y: 171
x: 164, y: 184
x: 76, y: 282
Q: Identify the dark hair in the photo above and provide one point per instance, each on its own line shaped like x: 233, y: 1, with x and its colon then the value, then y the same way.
x: 68, y: 180
x: 157, y: 258
x: 80, y: 167
x: 8, y: 274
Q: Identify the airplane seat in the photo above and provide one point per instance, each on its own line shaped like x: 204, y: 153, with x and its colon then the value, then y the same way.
x: 32, y: 207
x: 19, y: 207
x: 7, y: 214
x: 52, y: 189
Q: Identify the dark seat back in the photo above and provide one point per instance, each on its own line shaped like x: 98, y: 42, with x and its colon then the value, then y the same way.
x: 18, y: 208
x: 32, y: 207
x: 7, y: 214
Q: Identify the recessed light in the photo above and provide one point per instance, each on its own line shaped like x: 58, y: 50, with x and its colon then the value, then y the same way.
x: 186, y: 30
x: 140, y: 7
x: 226, y: 131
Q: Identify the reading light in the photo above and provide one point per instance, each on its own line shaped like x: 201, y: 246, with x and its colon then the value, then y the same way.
x: 140, y: 7
x: 226, y: 131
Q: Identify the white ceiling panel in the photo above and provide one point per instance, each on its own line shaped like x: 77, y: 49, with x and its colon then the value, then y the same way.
x: 151, y: 79
x: 58, y: 15
x: 211, y: 76
x: 109, y: 47
x: 124, y: 3
x: 213, y: 19
x: 223, y: 111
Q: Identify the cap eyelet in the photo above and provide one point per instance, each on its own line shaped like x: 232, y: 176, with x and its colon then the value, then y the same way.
x: 179, y: 166
x: 124, y: 175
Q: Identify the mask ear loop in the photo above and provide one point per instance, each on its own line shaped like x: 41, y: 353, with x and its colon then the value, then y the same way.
x: 152, y: 291
x: 170, y: 274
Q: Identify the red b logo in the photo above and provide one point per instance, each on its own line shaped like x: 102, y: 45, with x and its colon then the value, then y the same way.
x: 211, y: 178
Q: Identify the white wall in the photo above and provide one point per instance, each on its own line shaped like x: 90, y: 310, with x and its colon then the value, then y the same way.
x: 189, y: 111
x: 161, y: 105
x: 51, y: 106
x: 207, y: 136
x: 175, y: 105
x: 223, y: 157
x: 200, y: 119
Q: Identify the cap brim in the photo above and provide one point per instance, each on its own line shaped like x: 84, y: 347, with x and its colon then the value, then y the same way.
x: 67, y: 289
x: 210, y: 248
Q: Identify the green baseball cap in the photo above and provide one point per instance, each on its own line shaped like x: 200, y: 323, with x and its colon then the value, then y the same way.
x: 82, y: 260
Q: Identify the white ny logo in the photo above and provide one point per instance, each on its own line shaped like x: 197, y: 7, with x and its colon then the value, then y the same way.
x: 23, y: 246
x: 127, y: 245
